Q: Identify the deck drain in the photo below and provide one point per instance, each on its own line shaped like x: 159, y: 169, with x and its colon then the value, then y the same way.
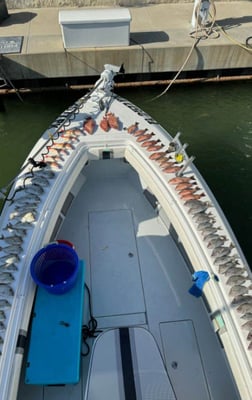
x: 174, y: 364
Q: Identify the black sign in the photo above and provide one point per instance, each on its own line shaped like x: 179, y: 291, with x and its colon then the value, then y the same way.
x: 11, y: 44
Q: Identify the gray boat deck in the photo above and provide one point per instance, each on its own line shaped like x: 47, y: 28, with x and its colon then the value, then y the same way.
x: 138, y: 276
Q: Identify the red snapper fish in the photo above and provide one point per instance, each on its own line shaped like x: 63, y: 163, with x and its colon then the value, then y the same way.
x: 163, y: 160
x: 71, y: 133
x: 172, y: 169
x: 166, y: 166
x: 140, y: 132
x: 180, y: 179
x: 144, y: 137
x: 113, y: 121
x: 189, y: 190
x: 156, y: 147
x: 193, y: 196
x: 184, y: 185
x: 150, y: 143
x: 132, y: 128
x: 157, y: 156
x: 89, y: 125
x: 104, y: 125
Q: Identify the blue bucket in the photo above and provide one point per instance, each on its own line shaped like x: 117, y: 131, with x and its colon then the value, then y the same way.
x: 55, y: 268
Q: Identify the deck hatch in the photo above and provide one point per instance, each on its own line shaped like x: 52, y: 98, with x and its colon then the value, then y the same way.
x: 183, y: 360
x: 115, y: 273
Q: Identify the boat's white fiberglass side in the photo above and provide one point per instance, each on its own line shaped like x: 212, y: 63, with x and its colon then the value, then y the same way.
x: 108, y: 178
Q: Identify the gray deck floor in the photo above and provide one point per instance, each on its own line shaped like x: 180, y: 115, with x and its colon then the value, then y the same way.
x: 118, y: 233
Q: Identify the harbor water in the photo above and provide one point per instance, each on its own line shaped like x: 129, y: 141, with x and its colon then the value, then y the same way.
x: 214, y: 119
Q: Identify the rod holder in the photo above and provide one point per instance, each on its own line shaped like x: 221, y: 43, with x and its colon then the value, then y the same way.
x: 188, y: 162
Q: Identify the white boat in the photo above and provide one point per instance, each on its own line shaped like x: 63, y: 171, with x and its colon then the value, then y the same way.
x: 166, y: 311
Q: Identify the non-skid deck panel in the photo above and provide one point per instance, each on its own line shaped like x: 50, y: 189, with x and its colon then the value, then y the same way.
x: 121, y: 320
x: 115, y: 273
x: 183, y: 360
x: 126, y: 365
x: 55, y: 343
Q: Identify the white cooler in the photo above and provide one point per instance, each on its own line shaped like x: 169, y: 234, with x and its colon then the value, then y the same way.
x: 95, y: 27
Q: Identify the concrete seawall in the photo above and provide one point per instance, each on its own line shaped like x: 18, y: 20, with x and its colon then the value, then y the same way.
x: 160, y: 42
x: 17, y: 4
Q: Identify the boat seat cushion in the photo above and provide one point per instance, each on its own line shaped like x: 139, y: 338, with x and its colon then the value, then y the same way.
x: 55, y: 342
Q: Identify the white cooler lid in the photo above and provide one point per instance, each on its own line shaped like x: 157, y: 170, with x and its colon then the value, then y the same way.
x: 94, y: 15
